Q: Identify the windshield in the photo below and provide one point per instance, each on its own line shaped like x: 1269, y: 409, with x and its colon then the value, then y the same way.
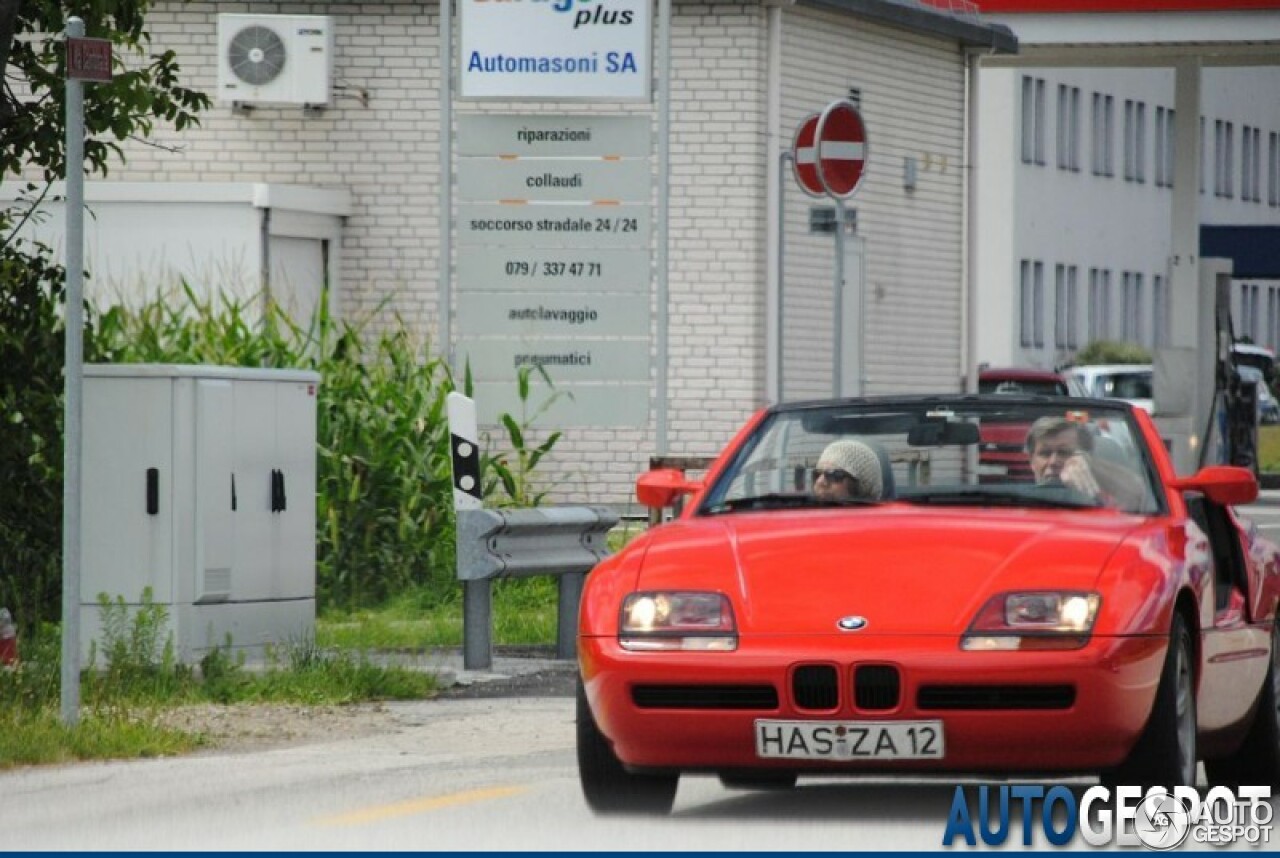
x: 1029, y: 387
x: 965, y: 451
x: 1123, y: 385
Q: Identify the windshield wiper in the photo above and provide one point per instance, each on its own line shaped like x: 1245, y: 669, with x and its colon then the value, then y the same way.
x: 1043, y: 499
x: 779, y: 500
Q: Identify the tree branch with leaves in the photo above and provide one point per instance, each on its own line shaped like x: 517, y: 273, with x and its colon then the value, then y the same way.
x: 144, y: 91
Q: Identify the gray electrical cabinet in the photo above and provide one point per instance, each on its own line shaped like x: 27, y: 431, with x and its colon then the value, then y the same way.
x: 199, y: 482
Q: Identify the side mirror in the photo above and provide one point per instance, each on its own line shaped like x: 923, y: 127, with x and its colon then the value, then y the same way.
x: 660, y: 488
x: 1222, y: 484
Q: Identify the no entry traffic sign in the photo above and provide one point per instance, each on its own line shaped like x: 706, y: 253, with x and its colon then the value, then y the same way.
x: 804, y: 157
x: 842, y: 149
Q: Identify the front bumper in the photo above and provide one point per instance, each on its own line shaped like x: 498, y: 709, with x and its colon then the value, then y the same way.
x: 1114, y: 682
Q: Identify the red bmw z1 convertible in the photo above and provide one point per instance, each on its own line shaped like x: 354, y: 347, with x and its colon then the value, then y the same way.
x: 843, y: 595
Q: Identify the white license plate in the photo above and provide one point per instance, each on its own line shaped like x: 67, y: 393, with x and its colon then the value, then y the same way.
x: 850, y: 740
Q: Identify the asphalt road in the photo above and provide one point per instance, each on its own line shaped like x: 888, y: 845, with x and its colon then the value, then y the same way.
x: 488, y: 765
x: 489, y: 773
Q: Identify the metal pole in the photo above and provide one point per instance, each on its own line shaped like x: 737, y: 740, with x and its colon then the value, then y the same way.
x: 444, y: 313
x: 774, y: 205
x: 74, y: 373
x: 781, y: 307
x: 477, y: 624
x: 664, y: 189
x: 837, y: 323
x: 570, y: 587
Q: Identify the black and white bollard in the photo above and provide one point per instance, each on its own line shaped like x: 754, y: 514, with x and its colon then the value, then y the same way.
x: 477, y: 596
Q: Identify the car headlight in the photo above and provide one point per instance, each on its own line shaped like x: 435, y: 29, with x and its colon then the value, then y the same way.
x: 667, y: 621
x: 1033, y: 621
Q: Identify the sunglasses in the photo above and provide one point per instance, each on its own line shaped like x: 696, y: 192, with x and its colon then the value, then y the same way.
x: 832, y: 474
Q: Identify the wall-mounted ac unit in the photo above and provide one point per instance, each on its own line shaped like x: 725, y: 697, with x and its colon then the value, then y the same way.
x: 275, y: 59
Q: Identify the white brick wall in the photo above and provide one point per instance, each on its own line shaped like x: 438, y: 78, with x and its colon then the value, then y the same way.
x: 912, y: 104
x: 387, y: 154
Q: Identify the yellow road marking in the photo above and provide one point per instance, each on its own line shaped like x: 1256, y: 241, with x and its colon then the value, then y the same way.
x: 417, y: 805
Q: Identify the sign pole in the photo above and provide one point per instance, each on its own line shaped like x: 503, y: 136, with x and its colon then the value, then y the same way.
x: 74, y: 370
x: 838, y: 152
x: 837, y: 324
x: 663, y: 296
x: 444, y: 309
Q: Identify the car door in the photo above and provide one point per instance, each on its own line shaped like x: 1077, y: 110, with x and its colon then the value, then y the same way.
x: 1235, y: 650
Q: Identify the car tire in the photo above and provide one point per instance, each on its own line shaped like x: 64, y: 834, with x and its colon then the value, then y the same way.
x: 758, y: 780
x: 1165, y: 754
x: 1258, y: 759
x: 606, y: 785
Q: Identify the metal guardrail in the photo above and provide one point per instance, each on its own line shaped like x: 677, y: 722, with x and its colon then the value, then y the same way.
x: 510, y: 543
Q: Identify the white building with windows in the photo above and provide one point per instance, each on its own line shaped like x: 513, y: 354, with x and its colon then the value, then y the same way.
x: 1075, y: 174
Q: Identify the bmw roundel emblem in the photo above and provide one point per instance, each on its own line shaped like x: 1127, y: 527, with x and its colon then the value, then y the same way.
x: 851, y: 624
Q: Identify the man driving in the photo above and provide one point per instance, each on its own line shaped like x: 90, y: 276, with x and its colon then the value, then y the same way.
x: 1059, y: 451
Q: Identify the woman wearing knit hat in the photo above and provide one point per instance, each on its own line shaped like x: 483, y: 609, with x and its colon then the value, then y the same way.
x: 847, y: 470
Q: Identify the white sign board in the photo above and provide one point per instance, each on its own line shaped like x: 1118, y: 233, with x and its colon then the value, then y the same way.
x: 567, y: 405
x: 554, y: 261
x: 547, y: 225
x: 555, y: 179
x: 555, y: 49
x: 568, y: 270
x: 547, y: 314
x: 525, y: 135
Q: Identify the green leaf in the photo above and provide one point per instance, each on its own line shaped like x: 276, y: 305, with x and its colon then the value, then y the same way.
x: 513, y: 430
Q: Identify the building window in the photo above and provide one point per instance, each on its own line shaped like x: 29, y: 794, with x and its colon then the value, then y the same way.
x: 1103, y: 156
x: 1135, y: 140
x: 1026, y: 308
x: 1202, y: 147
x: 1073, y: 303
x: 1031, y: 313
x: 1061, y: 307
x: 1032, y: 300
x: 1223, y: 162
x: 1160, y: 317
x: 1100, y: 304
x: 1068, y: 127
x: 1273, y: 169
x: 1249, y: 295
x: 1033, y: 120
x: 1131, y: 303
x: 1273, y: 317
x: 1250, y: 164
x: 1164, y: 147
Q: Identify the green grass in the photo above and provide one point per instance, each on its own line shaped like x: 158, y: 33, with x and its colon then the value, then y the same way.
x: 121, y: 701
x: 1269, y: 448
x: 524, y: 612
x: 135, y: 675
x: 39, y: 737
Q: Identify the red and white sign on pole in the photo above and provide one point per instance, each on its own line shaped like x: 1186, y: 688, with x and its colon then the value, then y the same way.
x: 89, y: 59
x: 842, y: 149
x: 804, y: 157
x: 829, y: 154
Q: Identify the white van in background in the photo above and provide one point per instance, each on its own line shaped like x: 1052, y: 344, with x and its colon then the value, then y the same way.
x: 1128, y: 381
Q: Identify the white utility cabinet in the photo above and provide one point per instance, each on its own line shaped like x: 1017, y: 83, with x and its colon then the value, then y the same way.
x: 200, y: 483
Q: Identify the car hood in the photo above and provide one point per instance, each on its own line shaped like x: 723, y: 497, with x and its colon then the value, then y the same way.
x: 906, y: 570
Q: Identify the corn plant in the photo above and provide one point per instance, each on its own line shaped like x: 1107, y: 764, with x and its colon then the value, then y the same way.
x: 512, y: 471
x: 384, y: 487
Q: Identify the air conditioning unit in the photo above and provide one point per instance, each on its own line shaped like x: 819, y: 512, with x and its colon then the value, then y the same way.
x: 275, y: 59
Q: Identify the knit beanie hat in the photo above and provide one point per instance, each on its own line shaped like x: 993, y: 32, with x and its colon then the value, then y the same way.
x: 858, y: 460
